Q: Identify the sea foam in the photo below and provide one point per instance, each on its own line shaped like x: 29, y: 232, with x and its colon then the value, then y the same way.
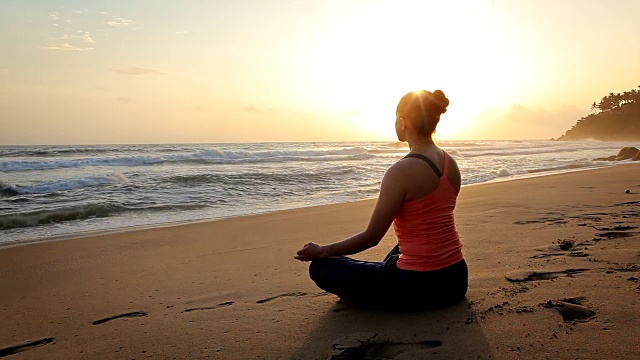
x: 9, y: 189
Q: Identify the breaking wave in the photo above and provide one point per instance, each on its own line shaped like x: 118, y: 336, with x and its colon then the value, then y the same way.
x: 80, y: 212
x: 214, y: 156
x: 8, y: 189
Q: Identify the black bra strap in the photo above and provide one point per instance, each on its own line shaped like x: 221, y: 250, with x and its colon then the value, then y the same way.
x: 427, y: 160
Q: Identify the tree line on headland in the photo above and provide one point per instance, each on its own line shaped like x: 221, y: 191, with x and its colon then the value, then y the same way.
x: 615, y: 118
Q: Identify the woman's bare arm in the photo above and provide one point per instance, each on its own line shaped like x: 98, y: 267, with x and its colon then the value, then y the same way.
x: 392, y: 193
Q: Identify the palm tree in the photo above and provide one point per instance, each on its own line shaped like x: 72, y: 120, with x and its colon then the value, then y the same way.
x: 606, y: 103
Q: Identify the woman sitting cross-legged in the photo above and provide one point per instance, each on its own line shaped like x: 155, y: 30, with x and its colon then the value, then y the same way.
x: 418, y: 195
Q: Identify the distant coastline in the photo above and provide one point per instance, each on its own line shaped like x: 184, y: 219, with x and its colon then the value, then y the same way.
x: 615, y: 118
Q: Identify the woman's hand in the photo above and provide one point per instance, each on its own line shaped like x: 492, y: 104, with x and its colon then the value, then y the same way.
x: 309, y: 252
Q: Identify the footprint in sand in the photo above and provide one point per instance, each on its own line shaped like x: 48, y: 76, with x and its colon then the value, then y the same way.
x: 540, y: 221
x: 563, y: 248
x: 616, y: 234
x: 24, y: 347
x: 571, y: 309
x: 617, y: 228
x: 545, y: 255
x: 578, y: 254
x: 522, y: 276
x: 291, y: 294
x: 626, y: 268
x: 125, y: 315
x: 373, y: 346
x: 221, y: 305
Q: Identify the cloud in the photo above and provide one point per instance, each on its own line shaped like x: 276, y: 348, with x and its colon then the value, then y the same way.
x: 67, y: 47
x: 4, y: 72
x: 55, y: 25
x: 121, y: 22
x: 77, y: 11
x: 126, y: 99
x: 137, y: 71
x: 522, y: 122
x: 87, y: 38
x: 104, y: 13
x: 54, y: 16
x: 182, y: 32
x: 521, y: 115
x: 68, y: 21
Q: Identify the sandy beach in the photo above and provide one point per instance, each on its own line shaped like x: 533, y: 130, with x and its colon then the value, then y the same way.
x: 554, y: 265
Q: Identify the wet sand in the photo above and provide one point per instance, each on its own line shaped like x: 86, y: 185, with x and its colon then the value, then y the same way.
x: 554, y: 265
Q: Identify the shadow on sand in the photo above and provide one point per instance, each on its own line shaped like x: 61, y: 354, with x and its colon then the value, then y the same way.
x: 354, y: 334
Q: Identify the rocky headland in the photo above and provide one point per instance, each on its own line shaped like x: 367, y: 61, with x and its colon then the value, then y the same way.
x: 615, y: 118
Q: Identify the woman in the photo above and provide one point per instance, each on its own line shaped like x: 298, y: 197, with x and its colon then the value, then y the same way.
x: 418, y: 195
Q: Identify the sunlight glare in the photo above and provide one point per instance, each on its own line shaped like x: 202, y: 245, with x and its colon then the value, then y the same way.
x: 375, y: 55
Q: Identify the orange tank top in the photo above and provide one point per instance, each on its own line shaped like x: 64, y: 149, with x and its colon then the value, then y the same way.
x: 426, y: 232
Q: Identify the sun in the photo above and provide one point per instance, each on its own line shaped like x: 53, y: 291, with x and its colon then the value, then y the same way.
x: 377, y: 53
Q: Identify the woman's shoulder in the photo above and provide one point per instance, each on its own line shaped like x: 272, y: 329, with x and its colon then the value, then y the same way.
x: 452, y: 160
x: 402, y: 166
x: 402, y: 171
x: 433, y: 158
x: 398, y: 173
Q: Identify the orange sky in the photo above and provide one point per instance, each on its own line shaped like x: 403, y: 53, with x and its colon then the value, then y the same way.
x: 250, y: 71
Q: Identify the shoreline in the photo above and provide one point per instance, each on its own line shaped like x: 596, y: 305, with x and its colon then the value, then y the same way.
x: 104, y: 232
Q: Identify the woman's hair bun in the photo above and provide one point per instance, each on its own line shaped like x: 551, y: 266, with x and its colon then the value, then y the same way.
x: 442, y: 100
x: 423, y: 102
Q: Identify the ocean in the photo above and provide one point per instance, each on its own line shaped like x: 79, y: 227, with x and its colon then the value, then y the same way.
x: 62, y: 191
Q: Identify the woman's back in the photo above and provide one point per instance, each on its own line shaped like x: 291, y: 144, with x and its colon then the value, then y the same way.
x: 422, y: 179
x: 425, y: 225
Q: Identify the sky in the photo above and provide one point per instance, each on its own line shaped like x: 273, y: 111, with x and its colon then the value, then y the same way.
x: 160, y: 71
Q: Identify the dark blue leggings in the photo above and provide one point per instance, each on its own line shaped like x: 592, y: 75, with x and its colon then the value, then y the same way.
x: 384, y: 285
